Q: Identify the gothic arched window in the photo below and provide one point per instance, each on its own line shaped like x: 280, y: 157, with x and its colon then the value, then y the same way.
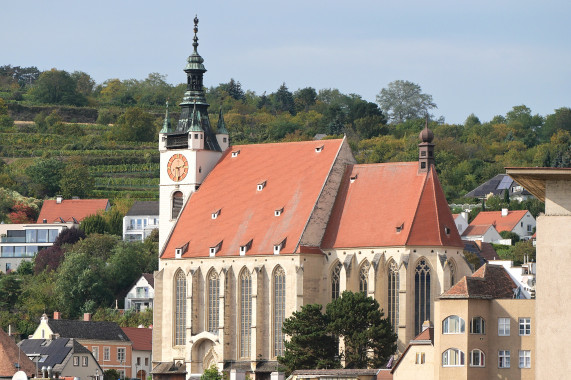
x: 177, y: 200
x: 245, y: 313
x: 335, y: 280
x: 452, y: 272
x: 393, y: 289
x: 180, y: 308
x: 421, y: 295
x: 213, y: 286
x: 279, y: 310
x: 364, y: 277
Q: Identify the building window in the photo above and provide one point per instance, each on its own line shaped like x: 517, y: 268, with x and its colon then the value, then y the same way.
x: 213, y: 288
x: 180, y: 308
x: 452, y: 272
x: 177, y: 200
x: 106, y: 353
x: 453, y: 357
x: 335, y: 281
x: 524, y: 359
x: 364, y: 278
x: 478, y: 326
x: 453, y: 325
x: 419, y: 358
x: 279, y: 310
x: 245, y: 313
x: 76, y: 361
x: 421, y: 295
x: 524, y: 326
x: 95, y: 352
x: 146, y: 361
x: 503, y: 326
x: 121, y: 354
x: 393, y: 289
x: 529, y: 228
x: 504, y: 359
x: 84, y: 361
x: 477, y: 358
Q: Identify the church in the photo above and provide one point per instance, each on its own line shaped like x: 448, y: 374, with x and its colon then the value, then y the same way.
x: 251, y: 233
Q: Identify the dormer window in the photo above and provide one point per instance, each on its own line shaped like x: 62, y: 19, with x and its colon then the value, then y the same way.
x: 278, y: 247
x: 319, y: 148
x: 399, y: 228
x: 214, y: 250
x: 446, y: 230
x: 353, y: 178
x: 245, y: 248
x: 178, y: 252
x: 215, y: 214
x: 278, y: 212
x: 235, y: 153
x: 261, y: 185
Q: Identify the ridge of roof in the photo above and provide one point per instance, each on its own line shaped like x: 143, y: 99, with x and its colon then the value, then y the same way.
x: 501, y: 223
x: 70, y: 210
x: 490, y: 281
x: 425, y: 337
x: 141, y: 337
x: 100, y: 330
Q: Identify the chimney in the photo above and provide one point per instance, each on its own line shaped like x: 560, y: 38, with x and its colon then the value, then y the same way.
x: 426, y: 325
x: 505, y: 212
x: 86, y: 317
x: 59, y: 199
x: 57, y: 315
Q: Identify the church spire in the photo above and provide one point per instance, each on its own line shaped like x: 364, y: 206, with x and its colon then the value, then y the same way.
x: 221, y: 126
x: 167, y: 123
x: 195, y: 121
x: 425, y: 148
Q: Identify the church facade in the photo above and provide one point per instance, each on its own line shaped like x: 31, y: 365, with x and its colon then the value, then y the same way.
x: 251, y: 233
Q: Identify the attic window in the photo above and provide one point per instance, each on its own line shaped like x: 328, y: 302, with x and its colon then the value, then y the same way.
x: 278, y: 247
x: 399, y: 228
x: 319, y: 148
x: 446, y: 230
x: 235, y: 153
x: 261, y: 185
x: 278, y: 212
x: 178, y: 252
x: 245, y: 248
x: 214, y: 250
x: 215, y: 214
x: 353, y: 178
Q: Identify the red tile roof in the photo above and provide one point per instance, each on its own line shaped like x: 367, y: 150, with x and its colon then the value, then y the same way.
x: 142, y: 338
x: 502, y: 223
x: 69, y: 209
x: 294, y: 175
x: 488, y: 282
x: 390, y: 204
x: 10, y: 354
x: 476, y: 230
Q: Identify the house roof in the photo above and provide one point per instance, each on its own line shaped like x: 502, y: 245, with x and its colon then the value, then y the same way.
x: 70, y: 209
x: 291, y: 175
x: 341, y: 372
x: 496, y: 186
x: 10, y: 354
x: 144, y: 208
x: 488, y: 282
x: 534, y: 179
x: 142, y: 338
x: 150, y: 279
x: 426, y: 337
x: 55, y: 351
x: 485, y: 251
x: 476, y: 229
x: 87, y: 330
x: 495, y: 218
x: 390, y: 204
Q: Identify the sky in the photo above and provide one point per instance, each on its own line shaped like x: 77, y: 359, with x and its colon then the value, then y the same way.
x: 481, y: 57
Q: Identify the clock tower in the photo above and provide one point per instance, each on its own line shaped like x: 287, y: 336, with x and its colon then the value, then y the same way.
x: 189, y: 150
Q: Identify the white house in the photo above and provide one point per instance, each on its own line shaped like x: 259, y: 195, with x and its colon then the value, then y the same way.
x: 461, y: 221
x: 141, y: 295
x: 141, y: 219
x: 485, y: 233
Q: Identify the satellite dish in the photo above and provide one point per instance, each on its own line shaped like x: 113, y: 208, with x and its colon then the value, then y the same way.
x: 20, y: 375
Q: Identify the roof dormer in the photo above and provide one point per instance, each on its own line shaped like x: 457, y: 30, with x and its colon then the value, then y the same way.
x: 245, y: 248
x: 279, y: 246
x: 261, y: 185
x: 215, y: 214
x: 214, y: 250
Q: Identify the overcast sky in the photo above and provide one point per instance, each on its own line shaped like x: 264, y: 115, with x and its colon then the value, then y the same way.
x: 482, y: 58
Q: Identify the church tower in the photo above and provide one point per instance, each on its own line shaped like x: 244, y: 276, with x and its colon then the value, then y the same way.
x: 189, y: 150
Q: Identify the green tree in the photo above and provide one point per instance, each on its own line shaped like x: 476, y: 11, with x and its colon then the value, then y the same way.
x: 10, y: 289
x: 510, y: 235
x: 94, y: 224
x: 76, y: 181
x: 57, y: 87
x: 135, y: 125
x: 304, y: 98
x: 369, y: 338
x: 6, y: 121
x: 234, y: 89
x: 211, y: 374
x: 45, y: 176
x: 310, y: 345
x: 560, y: 120
x: 127, y: 262
x: 84, y: 84
x: 97, y: 245
x: 283, y: 100
x: 111, y: 374
x: 403, y: 100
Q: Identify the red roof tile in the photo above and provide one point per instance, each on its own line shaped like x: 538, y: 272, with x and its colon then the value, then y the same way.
x: 390, y: 204
x: 294, y: 175
x: 69, y: 209
x: 10, y: 354
x: 142, y: 338
x: 502, y: 223
x: 488, y: 282
x: 476, y: 230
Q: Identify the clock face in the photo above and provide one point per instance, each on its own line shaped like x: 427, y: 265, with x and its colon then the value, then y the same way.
x: 177, y: 167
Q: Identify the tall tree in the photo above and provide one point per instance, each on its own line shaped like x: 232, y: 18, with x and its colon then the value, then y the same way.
x: 369, y: 338
x: 76, y: 179
x: 403, y: 100
x: 135, y: 125
x: 310, y: 345
x: 57, y: 87
x: 283, y: 100
x: 45, y: 176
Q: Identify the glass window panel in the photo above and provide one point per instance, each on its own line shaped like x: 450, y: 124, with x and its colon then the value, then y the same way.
x: 31, y: 236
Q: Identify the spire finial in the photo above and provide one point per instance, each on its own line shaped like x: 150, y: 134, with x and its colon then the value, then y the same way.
x: 195, y: 43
